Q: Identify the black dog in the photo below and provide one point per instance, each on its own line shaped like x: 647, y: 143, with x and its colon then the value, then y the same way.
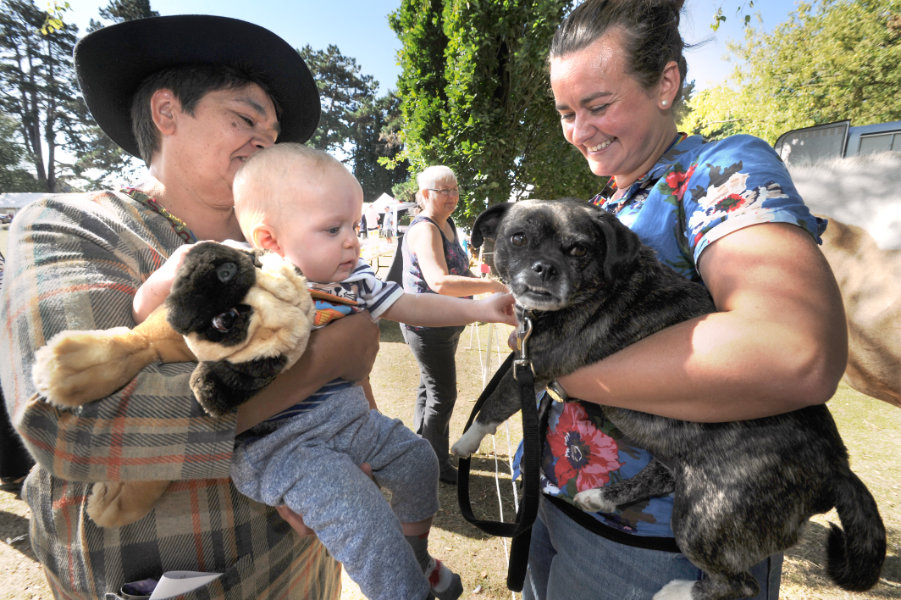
x: 591, y: 288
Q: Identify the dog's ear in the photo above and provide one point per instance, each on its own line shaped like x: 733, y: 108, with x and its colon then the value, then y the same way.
x: 622, y: 244
x: 487, y: 223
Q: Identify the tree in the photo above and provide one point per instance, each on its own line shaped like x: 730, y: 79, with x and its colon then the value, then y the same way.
x: 476, y: 97
x: 375, y: 142
x: 833, y: 60
x: 38, y: 85
x: 13, y: 178
x: 343, y: 90
x: 100, y: 160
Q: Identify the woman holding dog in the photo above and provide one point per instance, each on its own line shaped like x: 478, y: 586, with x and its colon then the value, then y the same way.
x: 193, y: 96
x: 725, y: 213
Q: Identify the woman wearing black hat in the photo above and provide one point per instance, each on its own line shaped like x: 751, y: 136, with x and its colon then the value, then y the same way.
x: 193, y: 96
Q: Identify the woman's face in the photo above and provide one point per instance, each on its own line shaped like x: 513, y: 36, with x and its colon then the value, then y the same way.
x: 620, y: 127
x: 441, y: 198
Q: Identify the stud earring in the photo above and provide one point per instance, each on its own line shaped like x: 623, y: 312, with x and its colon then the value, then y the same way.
x: 663, y: 103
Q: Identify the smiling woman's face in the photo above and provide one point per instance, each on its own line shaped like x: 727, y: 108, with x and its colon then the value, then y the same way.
x: 619, y: 126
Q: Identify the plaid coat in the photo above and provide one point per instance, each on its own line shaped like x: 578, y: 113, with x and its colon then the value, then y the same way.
x: 75, y: 262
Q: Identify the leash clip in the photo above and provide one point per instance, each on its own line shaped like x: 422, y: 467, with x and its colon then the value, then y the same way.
x: 522, y: 337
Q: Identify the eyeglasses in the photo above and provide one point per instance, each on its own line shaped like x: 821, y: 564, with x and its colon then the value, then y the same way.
x: 445, y: 191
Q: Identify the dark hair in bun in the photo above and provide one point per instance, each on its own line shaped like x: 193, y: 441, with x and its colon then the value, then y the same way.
x: 649, y: 29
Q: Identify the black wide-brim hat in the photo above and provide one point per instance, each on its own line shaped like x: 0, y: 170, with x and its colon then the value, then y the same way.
x: 112, y: 62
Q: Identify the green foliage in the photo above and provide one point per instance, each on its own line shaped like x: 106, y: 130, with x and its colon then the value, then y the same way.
x: 719, y: 17
x: 355, y: 125
x: 833, y: 60
x: 476, y: 98
x: 13, y: 178
x: 54, y: 19
x: 375, y: 142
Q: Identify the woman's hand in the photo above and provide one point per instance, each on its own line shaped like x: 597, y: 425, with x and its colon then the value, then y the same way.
x: 295, y: 520
x: 345, y: 349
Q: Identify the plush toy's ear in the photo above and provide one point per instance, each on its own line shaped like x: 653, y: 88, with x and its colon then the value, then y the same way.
x: 220, y: 386
x: 622, y: 244
x: 487, y: 223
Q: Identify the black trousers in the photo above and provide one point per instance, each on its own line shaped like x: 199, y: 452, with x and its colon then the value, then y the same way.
x: 435, y: 349
x: 15, y: 461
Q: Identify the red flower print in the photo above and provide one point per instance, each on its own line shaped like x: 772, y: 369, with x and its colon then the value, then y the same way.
x: 582, y: 451
x: 676, y: 181
x: 730, y: 203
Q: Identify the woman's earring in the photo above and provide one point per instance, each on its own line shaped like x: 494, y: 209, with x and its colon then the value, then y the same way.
x: 663, y: 103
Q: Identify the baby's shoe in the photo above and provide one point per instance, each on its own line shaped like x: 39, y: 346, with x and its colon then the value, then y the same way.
x: 446, y: 585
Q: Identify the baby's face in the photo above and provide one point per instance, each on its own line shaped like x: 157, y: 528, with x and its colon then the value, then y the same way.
x: 320, y: 234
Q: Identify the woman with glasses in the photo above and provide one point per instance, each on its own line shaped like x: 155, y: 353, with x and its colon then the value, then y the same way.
x: 435, y: 263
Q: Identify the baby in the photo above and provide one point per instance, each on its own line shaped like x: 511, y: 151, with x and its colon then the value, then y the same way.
x: 305, y: 206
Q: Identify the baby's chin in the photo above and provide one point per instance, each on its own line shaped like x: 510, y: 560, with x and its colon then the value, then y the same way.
x: 344, y: 271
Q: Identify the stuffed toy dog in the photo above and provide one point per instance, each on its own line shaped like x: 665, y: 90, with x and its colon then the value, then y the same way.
x: 245, y: 316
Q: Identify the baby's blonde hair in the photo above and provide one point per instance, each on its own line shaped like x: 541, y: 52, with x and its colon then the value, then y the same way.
x: 260, y: 184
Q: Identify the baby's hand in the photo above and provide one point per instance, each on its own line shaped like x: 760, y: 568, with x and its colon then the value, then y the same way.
x: 499, y: 308
x: 156, y: 288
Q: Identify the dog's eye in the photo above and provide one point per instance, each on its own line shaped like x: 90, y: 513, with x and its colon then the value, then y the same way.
x: 225, y: 321
x: 518, y: 239
x: 578, y: 251
x: 226, y: 271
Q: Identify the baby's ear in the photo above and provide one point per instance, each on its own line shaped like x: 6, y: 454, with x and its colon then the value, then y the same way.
x: 265, y: 238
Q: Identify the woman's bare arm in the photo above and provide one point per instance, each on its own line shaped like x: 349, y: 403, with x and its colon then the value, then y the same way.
x: 778, y: 342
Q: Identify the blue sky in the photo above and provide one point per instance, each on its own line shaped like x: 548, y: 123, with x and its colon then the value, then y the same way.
x: 360, y: 28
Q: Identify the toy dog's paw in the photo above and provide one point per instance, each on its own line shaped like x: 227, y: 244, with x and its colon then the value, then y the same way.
x: 594, y: 501
x: 76, y: 367
x: 119, y: 503
x: 469, y: 442
x: 220, y: 386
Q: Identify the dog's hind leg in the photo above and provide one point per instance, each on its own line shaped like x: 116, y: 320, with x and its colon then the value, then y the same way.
x: 503, y: 402
x: 654, y: 480
x: 713, y: 587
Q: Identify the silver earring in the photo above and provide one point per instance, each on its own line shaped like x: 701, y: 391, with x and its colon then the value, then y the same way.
x: 663, y: 103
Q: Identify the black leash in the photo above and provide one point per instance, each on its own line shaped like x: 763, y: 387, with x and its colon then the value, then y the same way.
x: 521, y: 529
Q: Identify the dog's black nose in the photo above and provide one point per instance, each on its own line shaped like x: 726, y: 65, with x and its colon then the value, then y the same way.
x: 544, y: 270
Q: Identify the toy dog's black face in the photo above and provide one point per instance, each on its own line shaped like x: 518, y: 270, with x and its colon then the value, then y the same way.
x: 208, y: 294
x: 553, y: 254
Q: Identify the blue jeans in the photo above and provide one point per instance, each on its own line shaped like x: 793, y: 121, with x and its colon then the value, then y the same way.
x: 569, y: 562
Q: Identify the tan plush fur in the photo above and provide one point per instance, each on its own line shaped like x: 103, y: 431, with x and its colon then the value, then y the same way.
x: 77, y: 367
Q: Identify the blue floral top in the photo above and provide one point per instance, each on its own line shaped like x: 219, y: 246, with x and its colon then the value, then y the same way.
x: 697, y: 193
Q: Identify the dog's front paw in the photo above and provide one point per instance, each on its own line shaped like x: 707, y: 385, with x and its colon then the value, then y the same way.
x: 470, y: 441
x: 119, y: 503
x: 76, y: 367
x: 594, y: 501
x: 677, y: 589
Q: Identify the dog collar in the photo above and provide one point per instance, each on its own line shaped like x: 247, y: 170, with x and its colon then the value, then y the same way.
x: 556, y: 391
